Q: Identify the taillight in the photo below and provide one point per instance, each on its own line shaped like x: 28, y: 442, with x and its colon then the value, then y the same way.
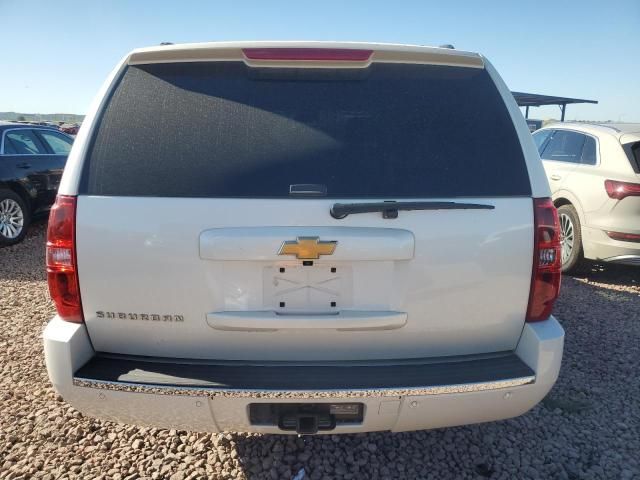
x: 620, y: 190
x: 62, y: 267
x: 317, y: 54
x: 545, y: 280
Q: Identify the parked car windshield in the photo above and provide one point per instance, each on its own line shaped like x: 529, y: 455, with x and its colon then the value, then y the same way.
x: 222, y: 129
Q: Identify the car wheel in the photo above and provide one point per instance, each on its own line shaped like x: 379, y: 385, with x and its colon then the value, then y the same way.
x: 14, y: 217
x: 571, y: 251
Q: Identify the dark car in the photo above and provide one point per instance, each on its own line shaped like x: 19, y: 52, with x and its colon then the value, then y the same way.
x: 32, y: 158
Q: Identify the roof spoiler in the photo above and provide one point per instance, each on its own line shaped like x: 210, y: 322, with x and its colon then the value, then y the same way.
x: 305, y: 54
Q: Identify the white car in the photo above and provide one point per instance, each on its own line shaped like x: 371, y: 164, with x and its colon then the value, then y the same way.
x: 594, y: 174
x: 297, y: 238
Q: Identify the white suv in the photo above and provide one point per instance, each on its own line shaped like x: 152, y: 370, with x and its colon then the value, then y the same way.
x: 594, y: 174
x: 303, y: 238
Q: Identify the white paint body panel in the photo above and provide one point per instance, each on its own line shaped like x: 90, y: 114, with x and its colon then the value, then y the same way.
x: 67, y: 346
x: 461, y: 276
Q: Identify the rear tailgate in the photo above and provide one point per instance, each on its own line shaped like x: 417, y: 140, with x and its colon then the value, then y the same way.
x: 152, y: 278
x: 185, y: 206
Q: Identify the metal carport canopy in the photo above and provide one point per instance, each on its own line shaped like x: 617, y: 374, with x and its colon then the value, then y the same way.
x: 535, y: 100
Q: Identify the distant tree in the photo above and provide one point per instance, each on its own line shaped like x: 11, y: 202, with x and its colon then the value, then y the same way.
x: 21, y: 118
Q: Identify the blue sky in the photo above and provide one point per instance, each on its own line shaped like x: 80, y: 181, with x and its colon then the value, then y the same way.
x: 56, y: 54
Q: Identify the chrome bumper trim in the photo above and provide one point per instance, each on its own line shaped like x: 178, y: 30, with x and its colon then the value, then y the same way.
x: 302, y: 394
x: 624, y: 260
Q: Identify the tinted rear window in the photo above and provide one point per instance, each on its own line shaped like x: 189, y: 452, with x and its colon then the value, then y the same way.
x: 633, y: 154
x: 222, y: 129
x: 635, y: 150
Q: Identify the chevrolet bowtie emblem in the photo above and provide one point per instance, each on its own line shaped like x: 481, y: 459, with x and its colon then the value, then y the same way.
x: 307, y: 248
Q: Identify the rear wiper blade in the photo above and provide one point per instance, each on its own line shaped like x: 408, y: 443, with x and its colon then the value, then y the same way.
x: 390, y: 209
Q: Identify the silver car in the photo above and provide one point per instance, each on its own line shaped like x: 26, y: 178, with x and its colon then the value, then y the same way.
x: 594, y: 174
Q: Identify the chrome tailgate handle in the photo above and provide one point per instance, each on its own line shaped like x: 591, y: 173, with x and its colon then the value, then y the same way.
x: 348, y: 320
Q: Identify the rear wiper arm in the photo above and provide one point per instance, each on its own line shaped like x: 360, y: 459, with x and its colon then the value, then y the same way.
x: 390, y: 209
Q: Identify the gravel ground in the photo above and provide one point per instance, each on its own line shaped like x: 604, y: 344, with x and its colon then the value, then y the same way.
x: 587, y: 428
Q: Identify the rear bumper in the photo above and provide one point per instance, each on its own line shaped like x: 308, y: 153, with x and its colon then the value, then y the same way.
x: 403, y: 395
x: 599, y: 246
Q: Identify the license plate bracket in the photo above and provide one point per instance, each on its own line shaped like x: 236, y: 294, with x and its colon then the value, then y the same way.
x: 307, y: 289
